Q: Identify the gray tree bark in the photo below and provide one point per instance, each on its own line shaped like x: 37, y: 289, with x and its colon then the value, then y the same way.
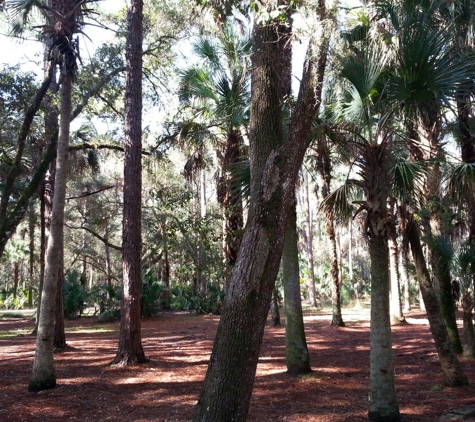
x: 43, y: 375
x: 296, y: 351
x: 227, y: 388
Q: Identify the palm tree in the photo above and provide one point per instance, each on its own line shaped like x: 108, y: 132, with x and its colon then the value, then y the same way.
x: 218, y: 94
x: 323, y: 164
x: 371, y: 143
x: 63, y: 24
x: 428, y: 75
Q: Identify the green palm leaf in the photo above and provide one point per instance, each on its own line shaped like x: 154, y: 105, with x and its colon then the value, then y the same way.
x: 339, y: 202
x: 461, y: 180
x: 408, y: 178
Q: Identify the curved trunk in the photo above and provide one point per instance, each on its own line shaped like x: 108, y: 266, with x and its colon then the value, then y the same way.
x: 227, y: 388
x: 43, y: 375
x: 429, y: 132
x: 442, y: 274
x: 296, y: 351
x: 451, y: 368
x: 10, y: 220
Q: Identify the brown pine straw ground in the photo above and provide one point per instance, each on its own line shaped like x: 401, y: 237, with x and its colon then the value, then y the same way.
x: 179, y: 345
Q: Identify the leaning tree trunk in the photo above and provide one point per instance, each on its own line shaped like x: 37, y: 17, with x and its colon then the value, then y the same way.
x: 10, y: 220
x: 43, y: 375
x: 227, y: 388
x: 429, y: 129
x: 296, y: 352
x: 130, y: 338
x: 451, y: 368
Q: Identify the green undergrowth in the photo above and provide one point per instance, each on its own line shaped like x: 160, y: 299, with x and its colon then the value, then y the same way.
x: 313, y: 377
x: 5, y: 335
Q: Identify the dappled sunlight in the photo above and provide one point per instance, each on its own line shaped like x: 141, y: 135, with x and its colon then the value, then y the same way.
x: 179, y: 346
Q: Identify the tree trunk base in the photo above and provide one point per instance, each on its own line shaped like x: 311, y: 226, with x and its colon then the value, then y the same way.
x: 127, y: 359
x: 338, y: 322
x: 377, y: 417
x: 36, y: 386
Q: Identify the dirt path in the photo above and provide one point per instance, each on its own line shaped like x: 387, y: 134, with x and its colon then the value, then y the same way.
x: 166, y: 389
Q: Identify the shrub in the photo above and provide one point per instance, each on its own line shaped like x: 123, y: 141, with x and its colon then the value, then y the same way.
x: 75, y: 297
x: 182, y: 298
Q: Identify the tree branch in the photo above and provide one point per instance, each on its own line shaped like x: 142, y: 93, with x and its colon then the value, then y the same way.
x: 87, y: 193
x: 96, y: 235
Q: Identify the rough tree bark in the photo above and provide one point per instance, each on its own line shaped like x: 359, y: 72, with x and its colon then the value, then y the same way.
x: 130, y: 350
x: 227, y: 388
x: 451, y: 368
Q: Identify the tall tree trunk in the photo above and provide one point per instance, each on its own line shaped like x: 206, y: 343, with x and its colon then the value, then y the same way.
x: 47, y: 185
x: 404, y: 262
x: 130, y: 338
x: 451, y: 368
x: 16, y: 277
x: 429, y: 132
x: 468, y: 333
x: 43, y: 375
x: 31, y: 261
x: 337, y: 318
x: 227, y: 388
x: 395, y: 276
x: 296, y: 350
x: 59, y: 332
x: 383, y: 405
x: 274, y: 307
x: 231, y: 202
x: 309, y: 243
x: 201, y: 267
x: 395, y: 290
x: 350, y: 253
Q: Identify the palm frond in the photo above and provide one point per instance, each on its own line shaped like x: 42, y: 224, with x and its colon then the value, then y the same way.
x: 241, y: 178
x: 408, y: 178
x: 461, y: 180
x: 20, y: 12
x: 339, y: 202
x: 209, y: 50
x: 443, y: 249
x: 428, y: 66
x: 195, y: 82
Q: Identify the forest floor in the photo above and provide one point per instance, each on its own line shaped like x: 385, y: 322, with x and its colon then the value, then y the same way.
x: 179, y: 345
